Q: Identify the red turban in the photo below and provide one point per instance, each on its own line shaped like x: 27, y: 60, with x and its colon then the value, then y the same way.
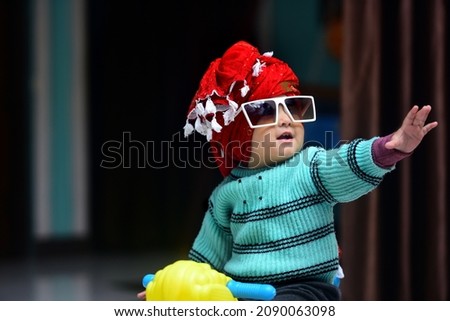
x: 242, y: 74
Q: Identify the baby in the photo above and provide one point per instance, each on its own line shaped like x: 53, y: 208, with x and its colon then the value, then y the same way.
x: 271, y: 219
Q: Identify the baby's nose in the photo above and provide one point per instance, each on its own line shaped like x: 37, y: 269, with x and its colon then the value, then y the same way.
x: 283, y: 117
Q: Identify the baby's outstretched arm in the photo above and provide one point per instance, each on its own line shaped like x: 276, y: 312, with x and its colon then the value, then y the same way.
x: 412, y: 131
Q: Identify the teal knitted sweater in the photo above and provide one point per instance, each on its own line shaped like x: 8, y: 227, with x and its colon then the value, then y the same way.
x: 276, y: 224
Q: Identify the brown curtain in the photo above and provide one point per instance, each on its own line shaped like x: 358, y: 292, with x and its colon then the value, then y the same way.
x: 395, y: 241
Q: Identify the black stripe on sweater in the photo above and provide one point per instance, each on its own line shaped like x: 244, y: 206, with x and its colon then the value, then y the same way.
x: 351, y: 157
x: 196, y: 256
x: 317, y: 181
x: 297, y: 274
x: 284, y: 243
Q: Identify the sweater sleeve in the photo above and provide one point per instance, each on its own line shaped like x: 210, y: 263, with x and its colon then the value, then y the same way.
x: 384, y: 157
x: 213, y: 243
x: 348, y: 172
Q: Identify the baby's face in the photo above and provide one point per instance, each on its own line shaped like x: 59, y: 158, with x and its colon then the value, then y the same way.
x: 276, y: 143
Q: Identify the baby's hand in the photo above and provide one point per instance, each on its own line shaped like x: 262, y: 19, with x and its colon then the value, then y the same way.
x: 412, y: 131
x: 141, y: 295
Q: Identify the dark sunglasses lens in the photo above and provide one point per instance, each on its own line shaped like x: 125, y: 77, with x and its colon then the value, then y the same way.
x: 300, y: 108
x: 261, y: 112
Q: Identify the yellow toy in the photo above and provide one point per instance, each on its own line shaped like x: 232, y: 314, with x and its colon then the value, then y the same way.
x: 186, y: 280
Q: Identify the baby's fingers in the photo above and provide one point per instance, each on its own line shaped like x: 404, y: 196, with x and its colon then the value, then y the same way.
x: 429, y: 127
x: 421, y: 116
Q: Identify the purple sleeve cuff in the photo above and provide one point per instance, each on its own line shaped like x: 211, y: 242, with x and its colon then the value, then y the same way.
x: 384, y: 157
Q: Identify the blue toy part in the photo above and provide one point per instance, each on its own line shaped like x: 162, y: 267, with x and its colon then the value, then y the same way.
x: 252, y: 291
x: 339, y: 275
x: 241, y: 290
x: 147, y: 279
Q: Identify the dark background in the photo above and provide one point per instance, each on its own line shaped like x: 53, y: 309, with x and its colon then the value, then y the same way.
x: 144, y: 63
x: 143, y: 74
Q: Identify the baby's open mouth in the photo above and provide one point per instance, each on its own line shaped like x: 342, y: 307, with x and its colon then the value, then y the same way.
x: 285, y: 136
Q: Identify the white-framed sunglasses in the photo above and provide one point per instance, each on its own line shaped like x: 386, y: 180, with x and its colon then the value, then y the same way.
x: 264, y: 112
